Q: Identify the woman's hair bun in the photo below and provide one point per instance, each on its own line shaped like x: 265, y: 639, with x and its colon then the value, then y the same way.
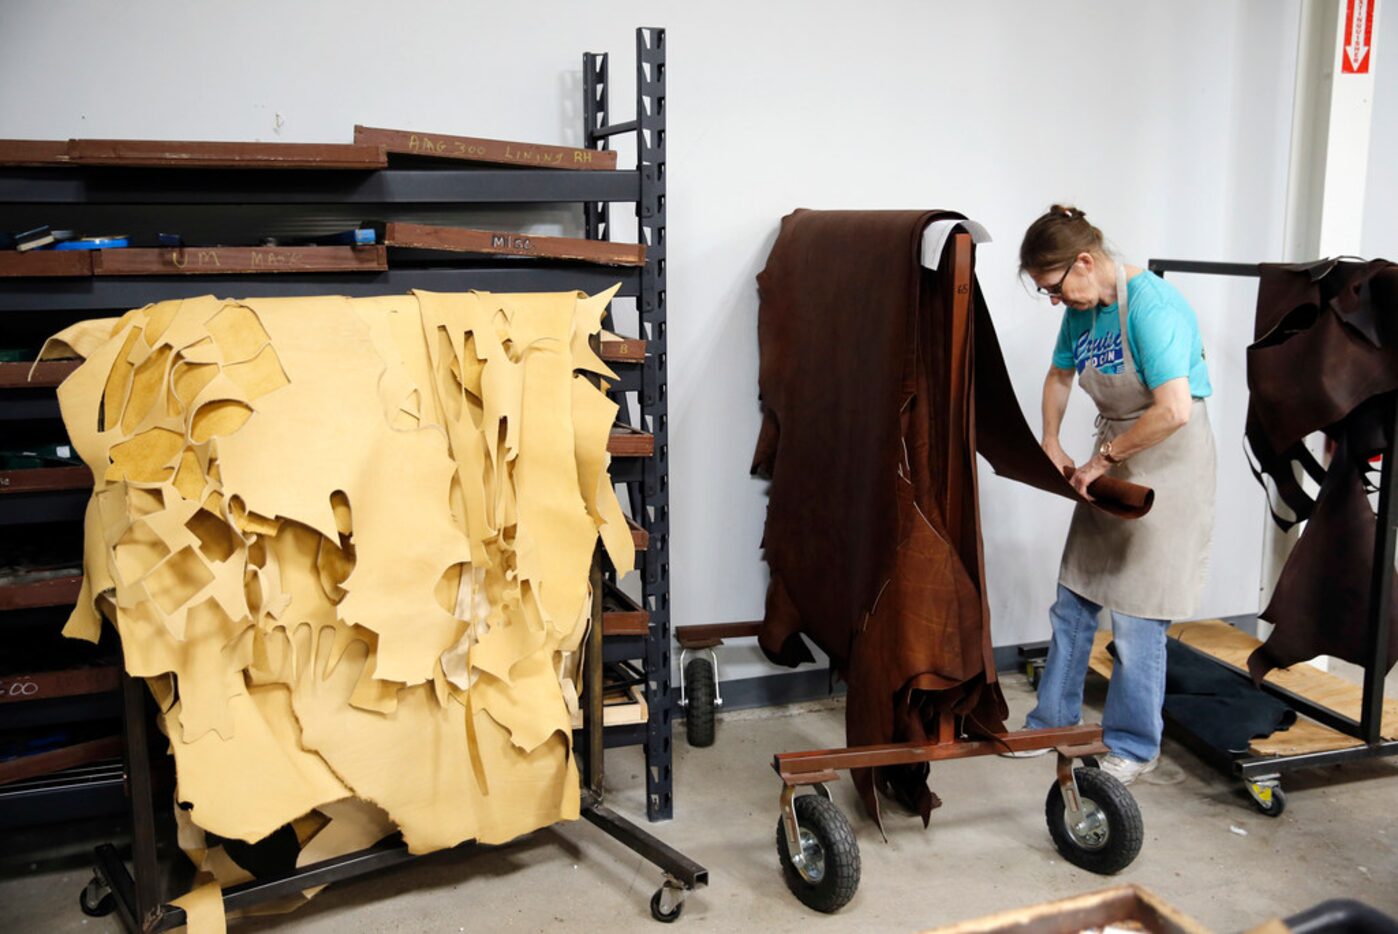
x: 1067, y: 211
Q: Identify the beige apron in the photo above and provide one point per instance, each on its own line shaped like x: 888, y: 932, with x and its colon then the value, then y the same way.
x: 1154, y: 566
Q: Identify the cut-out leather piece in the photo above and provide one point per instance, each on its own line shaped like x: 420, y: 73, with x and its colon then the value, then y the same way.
x: 221, y: 417
x: 216, y: 539
x: 146, y: 458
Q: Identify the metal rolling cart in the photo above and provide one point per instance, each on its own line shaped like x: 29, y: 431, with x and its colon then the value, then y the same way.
x: 136, y: 897
x: 700, y: 696
x: 1261, y: 775
x: 1092, y: 818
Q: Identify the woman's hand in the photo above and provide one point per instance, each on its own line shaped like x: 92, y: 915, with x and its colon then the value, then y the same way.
x: 1088, y: 472
x: 1060, y: 458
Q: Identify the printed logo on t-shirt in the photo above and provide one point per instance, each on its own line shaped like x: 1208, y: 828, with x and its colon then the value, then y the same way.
x: 1101, y: 353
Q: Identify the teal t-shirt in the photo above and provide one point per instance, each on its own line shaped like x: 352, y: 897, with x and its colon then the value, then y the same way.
x: 1164, y: 335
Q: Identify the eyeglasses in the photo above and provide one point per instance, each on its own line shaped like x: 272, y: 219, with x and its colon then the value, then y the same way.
x: 1056, y: 290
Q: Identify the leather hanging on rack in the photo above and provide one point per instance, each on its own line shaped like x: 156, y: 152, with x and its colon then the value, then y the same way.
x: 1324, y: 358
x: 347, y: 542
x: 880, y: 381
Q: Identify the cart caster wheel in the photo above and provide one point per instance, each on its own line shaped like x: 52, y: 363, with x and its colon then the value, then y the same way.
x: 829, y: 870
x: 700, y: 691
x: 96, y: 900
x: 1034, y: 672
x: 657, y: 906
x: 1108, y: 836
x: 1267, y: 797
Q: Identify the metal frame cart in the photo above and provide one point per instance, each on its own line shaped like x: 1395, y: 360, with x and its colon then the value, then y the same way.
x: 700, y: 696
x: 1092, y: 818
x: 1261, y: 775
x: 139, y: 904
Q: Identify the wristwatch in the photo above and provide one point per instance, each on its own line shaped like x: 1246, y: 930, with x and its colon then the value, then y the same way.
x: 1105, y: 449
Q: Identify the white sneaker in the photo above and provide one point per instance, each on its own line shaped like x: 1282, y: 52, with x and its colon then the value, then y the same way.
x: 1030, y: 753
x: 1126, y: 770
x: 1026, y: 753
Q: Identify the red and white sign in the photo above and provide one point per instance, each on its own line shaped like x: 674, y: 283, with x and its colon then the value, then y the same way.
x: 1359, y: 33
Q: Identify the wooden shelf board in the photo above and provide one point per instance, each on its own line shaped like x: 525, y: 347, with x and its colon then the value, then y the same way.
x: 224, y: 155
x: 49, y: 373
x: 33, y: 152
x: 638, y: 535
x: 626, y: 441
x: 56, y: 591
x: 475, y: 149
x: 44, y: 479
x: 505, y: 243
x: 625, y: 622
x: 618, y: 349
x: 238, y: 260
x: 56, y: 760
x: 47, y: 685
x: 45, y: 263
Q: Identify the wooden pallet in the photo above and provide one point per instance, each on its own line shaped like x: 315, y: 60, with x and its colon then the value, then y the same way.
x: 1231, y: 646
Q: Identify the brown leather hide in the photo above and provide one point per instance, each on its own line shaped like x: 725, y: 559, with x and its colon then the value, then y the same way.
x: 1324, y: 358
x: 878, y: 387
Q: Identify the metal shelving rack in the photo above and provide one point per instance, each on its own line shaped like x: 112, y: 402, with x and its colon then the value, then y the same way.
x: 27, y: 192
x: 1263, y: 772
x: 650, y: 492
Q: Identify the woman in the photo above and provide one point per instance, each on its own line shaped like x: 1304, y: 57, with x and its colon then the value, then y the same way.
x: 1153, y: 429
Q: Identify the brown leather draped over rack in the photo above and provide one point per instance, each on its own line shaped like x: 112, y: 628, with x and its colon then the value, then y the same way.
x: 1325, y: 358
x: 880, y: 382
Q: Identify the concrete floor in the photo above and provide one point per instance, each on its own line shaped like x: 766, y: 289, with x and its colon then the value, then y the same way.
x: 1207, y: 851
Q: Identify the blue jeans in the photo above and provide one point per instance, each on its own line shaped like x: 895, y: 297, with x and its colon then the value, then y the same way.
x: 1132, y: 722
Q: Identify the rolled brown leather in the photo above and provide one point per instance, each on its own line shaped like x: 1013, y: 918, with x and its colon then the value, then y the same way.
x: 879, y: 382
x: 1005, y: 439
x: 1118, y: 497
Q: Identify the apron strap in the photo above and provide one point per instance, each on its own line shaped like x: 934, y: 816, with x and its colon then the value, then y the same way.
x: 1128, y: 364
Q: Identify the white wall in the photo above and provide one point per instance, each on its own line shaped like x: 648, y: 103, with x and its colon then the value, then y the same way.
x: 1167, y: 123
x: 1381, y: 194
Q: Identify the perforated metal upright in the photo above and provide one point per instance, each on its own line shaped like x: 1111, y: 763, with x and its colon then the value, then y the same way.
x: 652, y: 506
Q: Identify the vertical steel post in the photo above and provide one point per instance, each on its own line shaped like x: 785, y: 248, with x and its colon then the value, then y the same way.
x: 1381, y: 586
x: 655, y: 517
x: 141, y: 793
x: 596, y: 215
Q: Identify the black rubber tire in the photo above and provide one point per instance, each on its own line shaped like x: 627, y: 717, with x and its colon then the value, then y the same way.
x: 1278, y: 803
x: 96, y: 900
x: 660, y: 915
x: 1125, y: 828
x: 834, y: 890
x: 699, y: 691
